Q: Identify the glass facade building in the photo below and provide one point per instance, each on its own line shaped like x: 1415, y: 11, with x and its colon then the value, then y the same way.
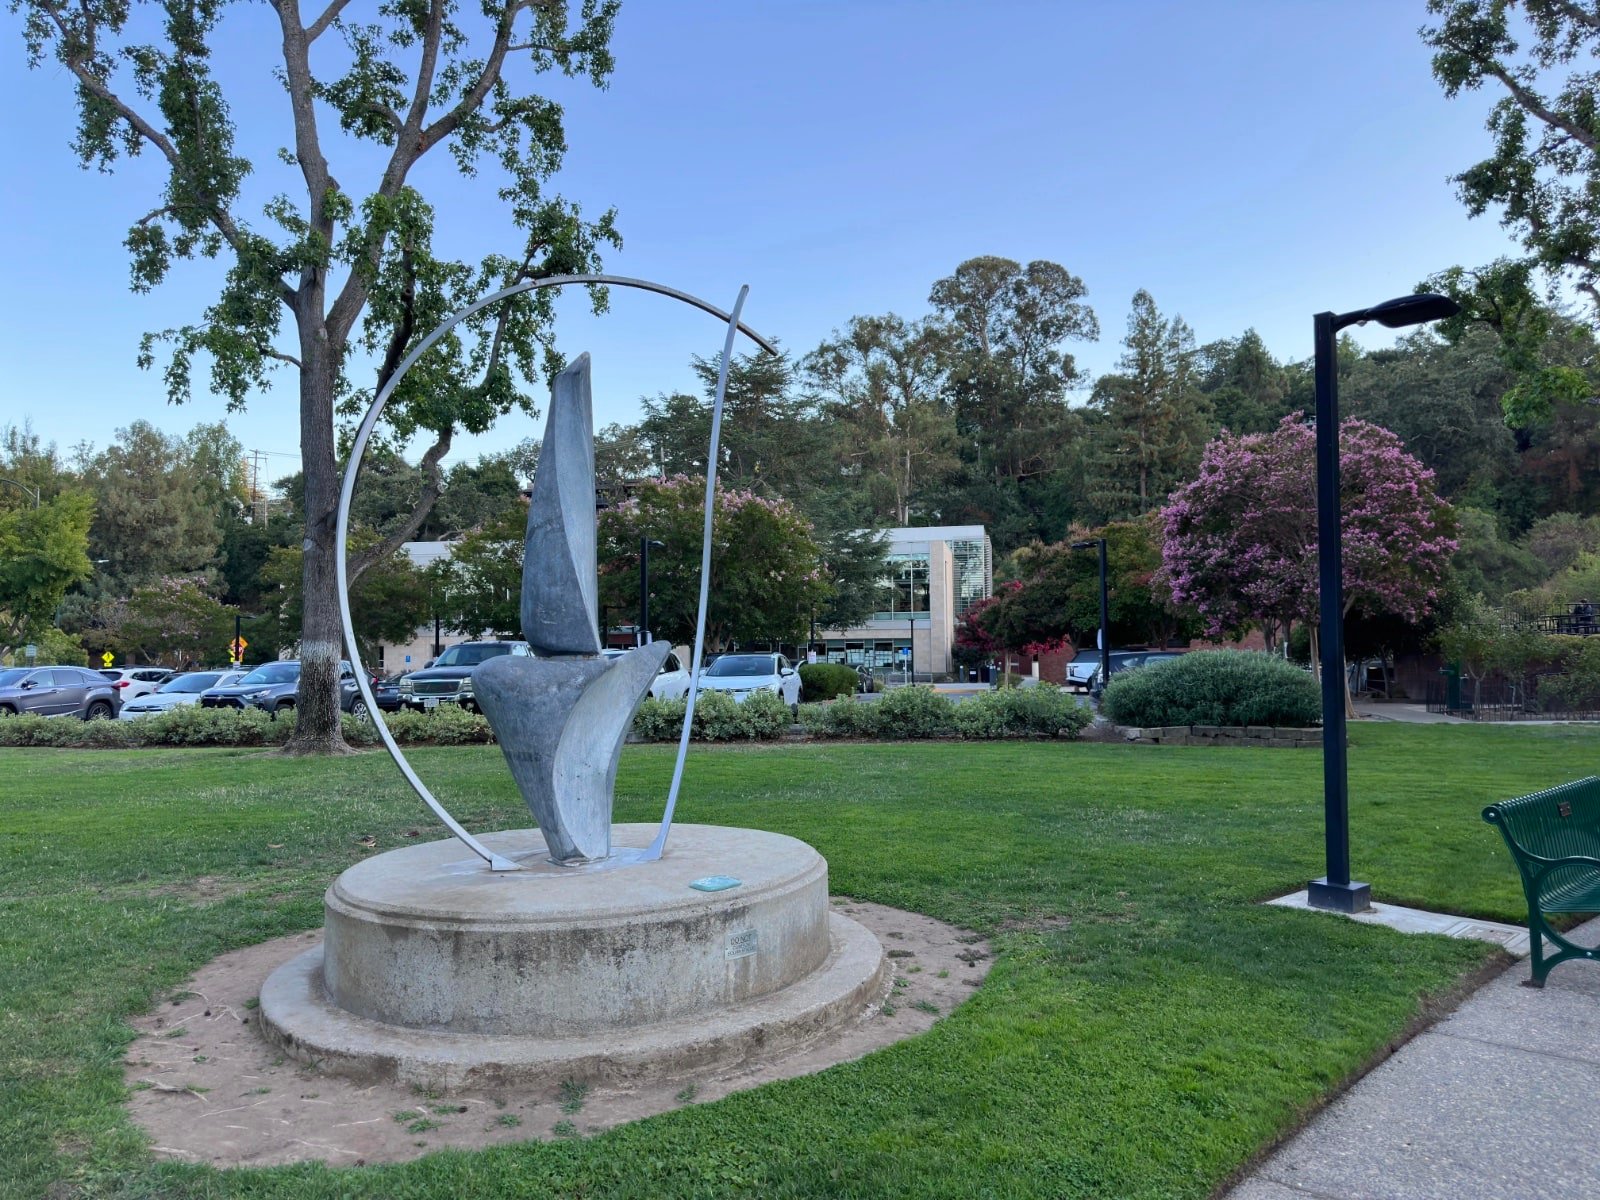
x: 936, y: 574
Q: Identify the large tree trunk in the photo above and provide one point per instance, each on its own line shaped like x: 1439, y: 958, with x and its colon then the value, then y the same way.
x: 316, y: 729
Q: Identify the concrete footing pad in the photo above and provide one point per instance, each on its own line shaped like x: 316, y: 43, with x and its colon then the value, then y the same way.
x: 297, y: 1017
x: 1514, y: 938
x: 439, y: 973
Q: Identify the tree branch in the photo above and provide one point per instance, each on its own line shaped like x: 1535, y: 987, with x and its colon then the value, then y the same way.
x: 307, y: 142
x: 219, y: 217
x: 1578, y: 14
x: 1530, y: 100
x: 433, y: 484
x: 408, y: 148
x: 474, y: 97
x: 320, y: 26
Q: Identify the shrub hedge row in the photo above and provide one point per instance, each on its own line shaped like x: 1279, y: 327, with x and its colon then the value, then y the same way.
x: 919, y: 712
x: 903, y: 713
x: 192, y: 725
x: 825, y: 681
x: 1215, y: 687
x: 762, y: 717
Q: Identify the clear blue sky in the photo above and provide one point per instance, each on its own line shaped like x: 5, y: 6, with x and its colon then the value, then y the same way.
x: 1248, y: 162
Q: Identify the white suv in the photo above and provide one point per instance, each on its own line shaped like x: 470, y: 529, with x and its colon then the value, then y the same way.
x: 671, y: 682
x: 133, y: 682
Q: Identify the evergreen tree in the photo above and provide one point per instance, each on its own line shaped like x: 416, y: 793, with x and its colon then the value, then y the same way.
x: 1153, y: 419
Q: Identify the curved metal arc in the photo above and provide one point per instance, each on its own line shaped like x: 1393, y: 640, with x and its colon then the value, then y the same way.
x: 347, y: 491
x: 660, y: 843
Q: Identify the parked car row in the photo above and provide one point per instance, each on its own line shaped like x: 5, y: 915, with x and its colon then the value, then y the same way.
x: 132, y: 692
x: 448, y: 678
x: 178, y: 691
x: 1084, y: 673
x: 274, y: 687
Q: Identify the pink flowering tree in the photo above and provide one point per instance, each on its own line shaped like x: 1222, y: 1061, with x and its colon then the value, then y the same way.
x: 1241, y: 539
x: 767, y: 570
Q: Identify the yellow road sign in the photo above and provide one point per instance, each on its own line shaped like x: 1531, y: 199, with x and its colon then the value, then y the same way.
x: 108, y: 658
x: 238, y: 646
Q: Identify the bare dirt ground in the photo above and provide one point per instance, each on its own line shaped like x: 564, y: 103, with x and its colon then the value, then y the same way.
x: 208, y: 1089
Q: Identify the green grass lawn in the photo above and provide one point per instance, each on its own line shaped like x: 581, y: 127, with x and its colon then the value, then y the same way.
x: 1146, y: 1029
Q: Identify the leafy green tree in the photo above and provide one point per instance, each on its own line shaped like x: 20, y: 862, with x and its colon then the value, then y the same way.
x: 387, y: 604
x: 1010, y: 375
x: 1543, y: 172
x: 1559, y: 540
x: 32, y: 466
x: 1058, y: 597
x: 156, y: 513
x: 353, y: 268
x: 1154, y: 422
x: 1488, y: 564
x: 771, y: 441
x: 177, y: 621
x: 767, y: 573
x: 1247, y: 388
x: 43, y: 552
x: 478, y: 589
x: 621, y: 453
x: 880, y: 384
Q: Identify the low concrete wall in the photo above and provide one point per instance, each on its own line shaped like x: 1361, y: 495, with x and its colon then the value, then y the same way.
x: 1223, y: 735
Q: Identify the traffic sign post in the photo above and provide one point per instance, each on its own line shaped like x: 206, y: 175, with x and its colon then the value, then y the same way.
x: 237, y: 648
x: 108, y: 658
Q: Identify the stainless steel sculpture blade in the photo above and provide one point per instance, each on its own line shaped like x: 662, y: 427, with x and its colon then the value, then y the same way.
x: 561, y: 723
x: 560, y: 600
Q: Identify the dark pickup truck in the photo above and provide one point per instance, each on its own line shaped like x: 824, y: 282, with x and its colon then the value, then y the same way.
x: 448, y: 678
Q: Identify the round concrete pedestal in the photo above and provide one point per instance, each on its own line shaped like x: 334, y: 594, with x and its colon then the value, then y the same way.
x: 440, y: 972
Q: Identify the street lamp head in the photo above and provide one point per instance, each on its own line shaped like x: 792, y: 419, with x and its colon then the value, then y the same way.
x: 1089, y: 545
x: 1406, y: 310
x: 655, y: 545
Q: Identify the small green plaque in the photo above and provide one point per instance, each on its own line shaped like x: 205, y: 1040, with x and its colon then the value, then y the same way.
x: 715, y: 883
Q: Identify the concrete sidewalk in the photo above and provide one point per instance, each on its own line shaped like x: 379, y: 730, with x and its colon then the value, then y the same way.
x: 1499, y: 1101
x: 1406, y: 714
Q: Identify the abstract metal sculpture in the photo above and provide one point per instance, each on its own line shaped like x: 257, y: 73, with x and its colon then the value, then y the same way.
x: 561, y: 717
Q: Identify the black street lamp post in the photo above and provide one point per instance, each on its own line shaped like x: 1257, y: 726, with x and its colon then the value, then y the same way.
x: 1105, y: 609
x: 1335, y: 890
x: 644, y: 587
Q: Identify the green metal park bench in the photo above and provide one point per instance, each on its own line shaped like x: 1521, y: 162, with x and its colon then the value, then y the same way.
x: 1554, y: 837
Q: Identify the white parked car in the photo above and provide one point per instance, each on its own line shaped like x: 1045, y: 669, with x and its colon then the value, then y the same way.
x: 742, y: 675
x: 671, y: 682
x: 133, y: 682
x: 177, y: 691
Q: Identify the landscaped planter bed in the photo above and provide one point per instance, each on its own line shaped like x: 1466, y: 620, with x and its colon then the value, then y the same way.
x: 1223, y: 735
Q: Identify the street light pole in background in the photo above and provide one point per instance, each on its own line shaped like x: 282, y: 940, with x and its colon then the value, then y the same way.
x: 643, y: 637
x: 1335, y: 890
x: 1105, y: 609
x: 26, y: 490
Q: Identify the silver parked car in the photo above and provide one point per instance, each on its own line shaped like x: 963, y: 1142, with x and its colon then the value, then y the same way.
x: 178, y: 691
x: 57, y: 692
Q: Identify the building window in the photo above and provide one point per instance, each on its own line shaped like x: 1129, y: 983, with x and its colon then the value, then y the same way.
x: 973, y: 570
x: 908, y: 588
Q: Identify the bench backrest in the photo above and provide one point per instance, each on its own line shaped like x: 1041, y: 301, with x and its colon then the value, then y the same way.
x: 1559, y: 822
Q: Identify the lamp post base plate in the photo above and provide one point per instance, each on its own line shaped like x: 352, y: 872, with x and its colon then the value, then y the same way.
x: 1349, y: 897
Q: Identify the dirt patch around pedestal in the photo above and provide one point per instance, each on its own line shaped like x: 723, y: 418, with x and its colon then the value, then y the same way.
x: 207, y: 1088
